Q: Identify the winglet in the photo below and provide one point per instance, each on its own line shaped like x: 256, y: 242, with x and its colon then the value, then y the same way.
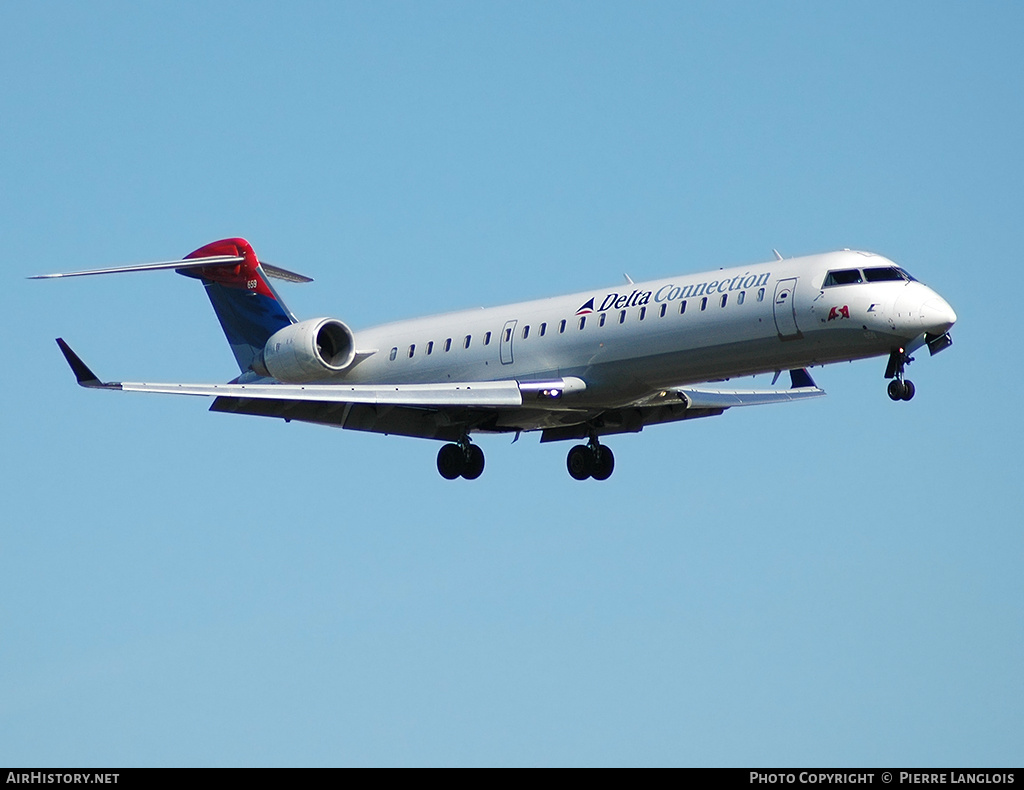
x: 84, y: 376
x: 801, y: 378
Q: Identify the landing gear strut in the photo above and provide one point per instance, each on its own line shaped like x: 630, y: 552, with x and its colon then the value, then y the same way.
x: 460, y: 460
x: 899, y: 388
x: 590, y: 460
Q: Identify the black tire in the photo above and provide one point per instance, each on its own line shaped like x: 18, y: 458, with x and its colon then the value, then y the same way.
x: 896, y: 389
x: 604, y: 463
x: 908, y: 389
x: 474, y: 463
x: 580, y: 462
x: 451, y: 461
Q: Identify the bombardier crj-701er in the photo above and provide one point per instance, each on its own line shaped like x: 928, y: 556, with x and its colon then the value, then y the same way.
x: 578, y: 367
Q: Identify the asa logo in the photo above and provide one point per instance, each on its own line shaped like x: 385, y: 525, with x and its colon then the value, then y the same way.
x: 839, y: 312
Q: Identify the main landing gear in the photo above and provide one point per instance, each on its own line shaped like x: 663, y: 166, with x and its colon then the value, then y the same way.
x: 460, y: 460
x: 590, y: 460
x: 899, y: 388
x: 464, y: 459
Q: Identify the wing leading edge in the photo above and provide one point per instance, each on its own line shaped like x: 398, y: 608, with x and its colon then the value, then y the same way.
x: 803, y: 387
x: 492, y: 394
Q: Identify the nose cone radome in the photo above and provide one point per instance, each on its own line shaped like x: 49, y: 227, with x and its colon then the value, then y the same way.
x: 937, y: 316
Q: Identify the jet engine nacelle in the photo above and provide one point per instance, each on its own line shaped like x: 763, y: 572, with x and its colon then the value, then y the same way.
x: 307, y: 351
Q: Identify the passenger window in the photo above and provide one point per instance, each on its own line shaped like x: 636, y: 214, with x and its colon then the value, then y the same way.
x: 487, y: 339
x: 583, y: 321
x: 760, y: 294
x: 643, y: 313
x: 703, y: 303
x: 526, y: 331
x: 448, y: 344
x: 543, y: 329
x: 430, y: 348
x: 622, y: 317
x: 842, y: 277
x: 682, y: 307
x: 394, y: 353
x: 725, y: 298
x: 561, y: 326
x: 664, y: 307
x: 412, y: 350
x: 508, y: 334
x: 468, y: 339
x: 603, y: 317
x: 741, y: 297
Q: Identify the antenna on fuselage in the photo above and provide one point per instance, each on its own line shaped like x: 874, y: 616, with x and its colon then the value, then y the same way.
x: 629, y: 279
x: 777, y: 256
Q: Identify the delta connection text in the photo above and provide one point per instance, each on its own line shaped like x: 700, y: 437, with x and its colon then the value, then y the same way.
x: 672, y: 292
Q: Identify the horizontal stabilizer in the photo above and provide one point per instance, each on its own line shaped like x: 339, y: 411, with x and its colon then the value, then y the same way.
x: 190, y: 263
x: 283, y: 274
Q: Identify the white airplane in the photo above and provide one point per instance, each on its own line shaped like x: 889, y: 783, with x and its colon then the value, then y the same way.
x: 581, y: 367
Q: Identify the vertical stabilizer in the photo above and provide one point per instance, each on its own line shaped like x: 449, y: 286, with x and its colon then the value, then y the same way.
x: 247, y: 306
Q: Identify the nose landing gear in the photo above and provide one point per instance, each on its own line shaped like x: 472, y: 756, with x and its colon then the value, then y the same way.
x: 899, y: 388
x: 460, y: 460
x: 590, y: 460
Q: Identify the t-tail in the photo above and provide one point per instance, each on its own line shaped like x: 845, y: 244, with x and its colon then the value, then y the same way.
x: 247, y: 306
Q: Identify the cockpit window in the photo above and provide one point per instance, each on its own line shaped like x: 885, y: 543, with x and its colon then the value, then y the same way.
x: 884, y: 274
x: 842, y: 277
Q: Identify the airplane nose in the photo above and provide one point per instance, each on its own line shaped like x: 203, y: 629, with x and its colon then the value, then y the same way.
x: 937, y: 316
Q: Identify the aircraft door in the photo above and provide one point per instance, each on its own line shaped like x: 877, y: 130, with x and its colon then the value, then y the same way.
x: 785, y: 309
x: 507, y: 334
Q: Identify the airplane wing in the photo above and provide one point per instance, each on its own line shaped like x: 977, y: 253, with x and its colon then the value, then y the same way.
x: 684, y: 403
x: 493, y: 394
x: 803, y: 387
x: 448, y: 410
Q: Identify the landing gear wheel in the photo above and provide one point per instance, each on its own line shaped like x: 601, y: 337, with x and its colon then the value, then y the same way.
x: 474, y: 459
x: 580, y: 462
x: 899, y: 387
x: 451, y: 461
x: 604, y: 463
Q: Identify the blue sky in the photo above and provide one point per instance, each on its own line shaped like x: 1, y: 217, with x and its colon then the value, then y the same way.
x: 832, y: 583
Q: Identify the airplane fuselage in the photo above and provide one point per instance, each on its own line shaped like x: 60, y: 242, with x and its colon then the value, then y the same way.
x: 641, y: 337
